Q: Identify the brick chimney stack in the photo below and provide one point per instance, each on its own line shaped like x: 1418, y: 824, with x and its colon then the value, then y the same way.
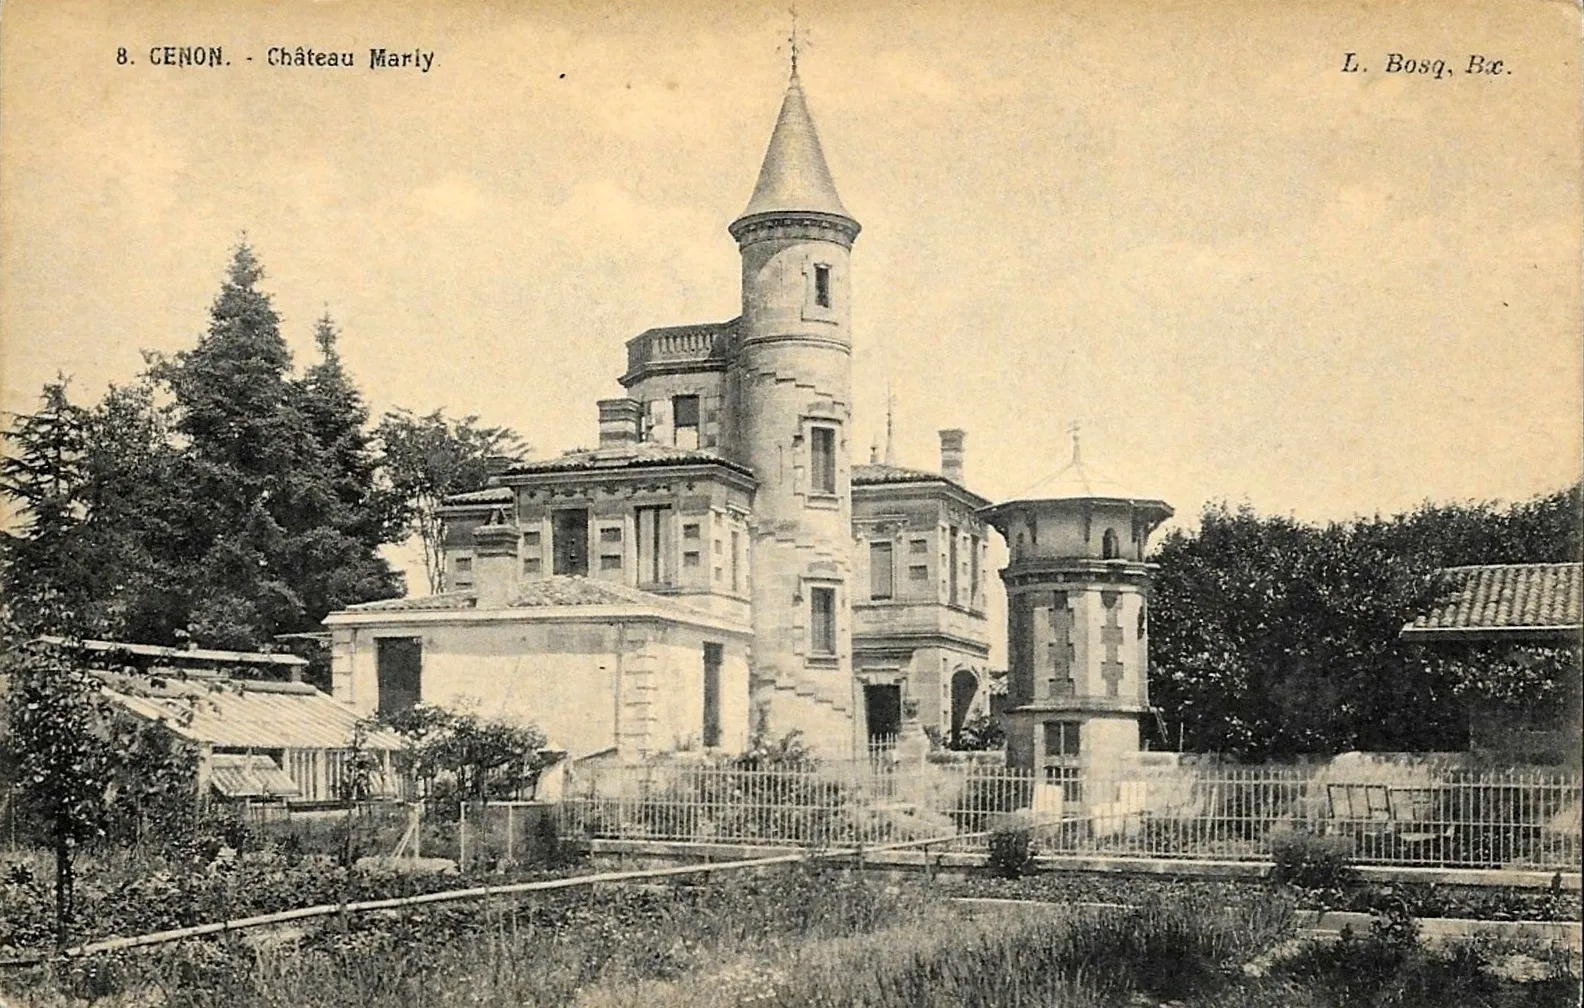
x: 620, y: 422
x: 951, y: 465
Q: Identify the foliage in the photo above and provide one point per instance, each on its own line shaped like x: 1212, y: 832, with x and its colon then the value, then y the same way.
x: 87, y: 484
x: 465, y: 756
x: 429, y: 458
x: 768, y: 752
x: 799, y: 937
x: 222, y: 500
x: 1271, y: 638
x: 1011, y: 852
x: 980, y: 733
x: 362, y: 768
x: 1309, y: 861
x: 83, y: 770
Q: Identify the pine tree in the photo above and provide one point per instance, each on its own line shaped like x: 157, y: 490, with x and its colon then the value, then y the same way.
x: 336, y: 562
x: 282, y: 520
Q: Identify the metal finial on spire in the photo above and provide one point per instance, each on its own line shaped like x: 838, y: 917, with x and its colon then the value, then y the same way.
x: 1072, y: 429
x: 793, y: 40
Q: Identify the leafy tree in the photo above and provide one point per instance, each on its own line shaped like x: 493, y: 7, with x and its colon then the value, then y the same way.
x: 88, y: 484
x: 83, y: 769
x: 1271, y: 638
x: 461, y: 754
x: 429, y: 458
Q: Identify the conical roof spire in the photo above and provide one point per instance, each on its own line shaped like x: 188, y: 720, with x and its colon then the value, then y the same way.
x: 794, y: 176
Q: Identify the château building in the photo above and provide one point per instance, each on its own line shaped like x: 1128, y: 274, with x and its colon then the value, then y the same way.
x: 719, y: 564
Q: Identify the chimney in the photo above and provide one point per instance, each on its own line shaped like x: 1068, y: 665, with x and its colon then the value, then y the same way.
x: 951, y: 465
x: 620, y: 422
x: 495, y: 562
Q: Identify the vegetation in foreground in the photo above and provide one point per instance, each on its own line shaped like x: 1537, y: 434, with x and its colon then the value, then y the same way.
x: 801, y: 937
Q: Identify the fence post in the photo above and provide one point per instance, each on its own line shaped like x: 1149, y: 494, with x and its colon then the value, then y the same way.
x: 511, y: 823
x: 462, y: 836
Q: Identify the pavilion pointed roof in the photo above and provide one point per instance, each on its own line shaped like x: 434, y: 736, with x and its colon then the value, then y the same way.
x: 794, y: 176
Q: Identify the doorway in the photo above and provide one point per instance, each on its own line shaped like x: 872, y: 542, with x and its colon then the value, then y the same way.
x: 883, y: 710
x: 569, y: 531
x: 964, y: 686
x: 398, y: 663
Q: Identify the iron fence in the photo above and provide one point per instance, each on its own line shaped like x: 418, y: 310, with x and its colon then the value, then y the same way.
x: 1394, y: 815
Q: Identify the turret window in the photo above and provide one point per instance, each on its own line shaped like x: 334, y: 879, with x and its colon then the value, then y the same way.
x: 822, y: 459
x: 1108, y: 545
x: 822, y: 621
x: 685, y: 421
x: 822, y: 285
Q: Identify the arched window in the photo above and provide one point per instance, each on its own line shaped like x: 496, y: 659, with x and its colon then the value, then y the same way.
x: 1108, y: 545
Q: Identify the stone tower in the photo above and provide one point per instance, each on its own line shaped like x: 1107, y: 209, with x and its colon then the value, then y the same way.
x: 1077, y: 625
x: 789, y: 411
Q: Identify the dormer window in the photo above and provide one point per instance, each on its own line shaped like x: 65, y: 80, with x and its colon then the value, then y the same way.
x: 822, y: 285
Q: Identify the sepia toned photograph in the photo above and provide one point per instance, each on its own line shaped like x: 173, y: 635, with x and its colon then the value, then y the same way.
x: 892, y: 503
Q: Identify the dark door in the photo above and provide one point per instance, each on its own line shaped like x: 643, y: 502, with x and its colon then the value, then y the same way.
x: 883, y: 709
x: 570, y: 531
x: 399, y: 664
x: 964, y: 684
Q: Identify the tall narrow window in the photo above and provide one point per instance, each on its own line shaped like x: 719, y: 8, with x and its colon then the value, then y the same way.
x: 654, y: 545
x: 822, y: 285
x: 685, y: 421
x: 736, y: 561
x: 973, y: 571
x: 822, y: 620
x: 951, y: 565
x: 569, y: 533
x: 881, y: 573
x: 712, y: 687
x: 822, y: 459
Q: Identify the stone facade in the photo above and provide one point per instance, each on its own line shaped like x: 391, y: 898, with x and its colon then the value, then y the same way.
x: 599, y: 673
x: 722, y: 490
x: 1077, y: 625
x: 920, y: 637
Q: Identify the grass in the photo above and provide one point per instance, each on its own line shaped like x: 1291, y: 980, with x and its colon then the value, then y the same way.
x: 800, y: 936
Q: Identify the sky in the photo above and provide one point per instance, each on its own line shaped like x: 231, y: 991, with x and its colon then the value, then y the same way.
x: 1248, y: 275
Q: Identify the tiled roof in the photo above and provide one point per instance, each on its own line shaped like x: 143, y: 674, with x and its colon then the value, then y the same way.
x: 559, y: 590
x: 1505, y: 597
x: 233, y: 712
x: 642, y: 455
x: 881, y: 472
x: 488, y: 495
x: 418, y: 603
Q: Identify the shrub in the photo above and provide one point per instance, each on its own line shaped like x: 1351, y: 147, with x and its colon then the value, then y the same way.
x: 1313, y: 862
x: 1012, y: 851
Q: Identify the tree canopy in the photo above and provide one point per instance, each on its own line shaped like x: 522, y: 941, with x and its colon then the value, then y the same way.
x: 224, y: 498
x: 429, y: 458
x: 1271, y: 638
